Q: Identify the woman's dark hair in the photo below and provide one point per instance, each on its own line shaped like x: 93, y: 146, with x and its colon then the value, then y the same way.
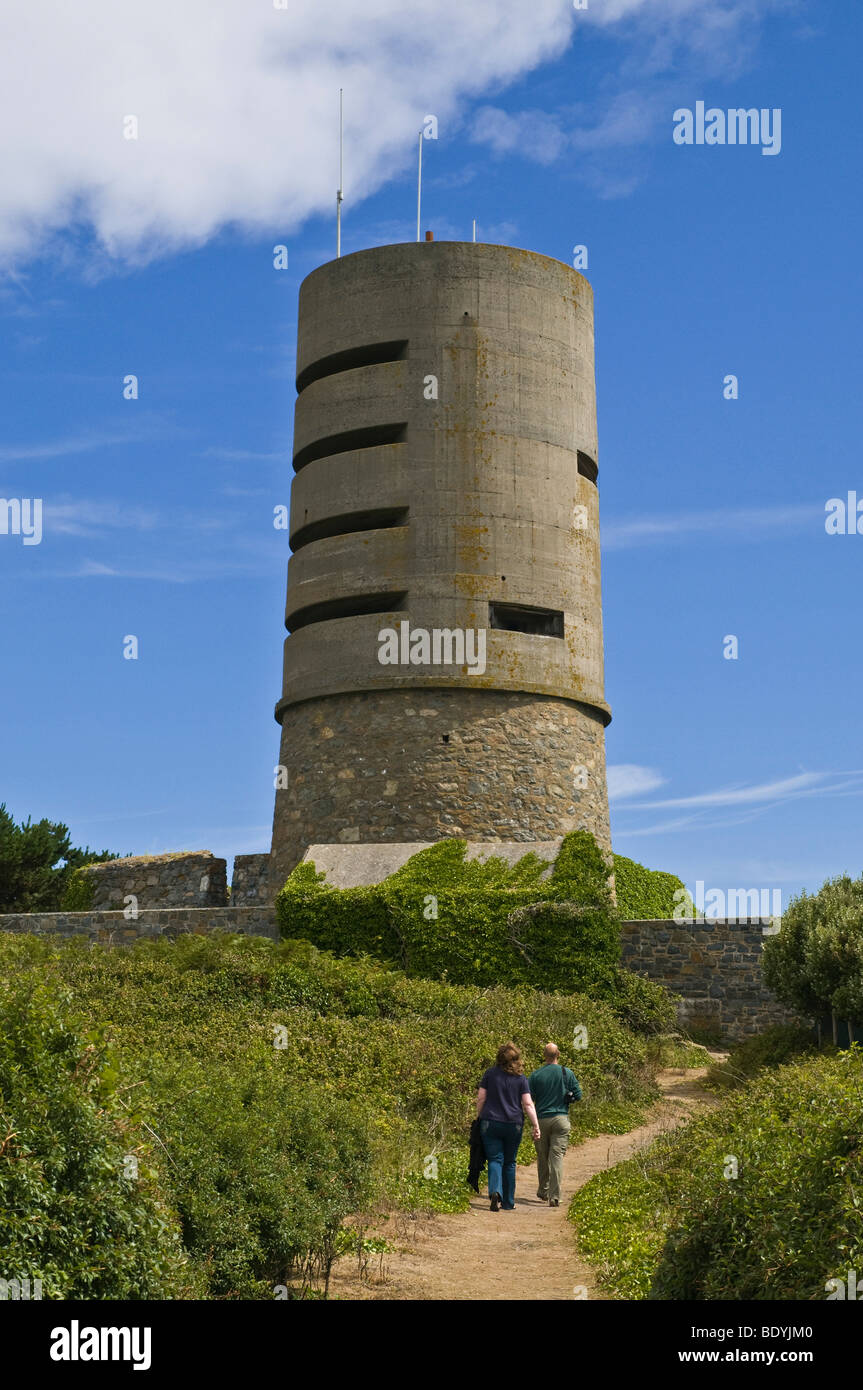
x: 509, y: 1058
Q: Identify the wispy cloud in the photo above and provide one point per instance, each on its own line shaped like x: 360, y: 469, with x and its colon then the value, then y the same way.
x: 743, y: 523
x: 533, y: 134
x: 87, y: 517
x: 629, y: 779
x: 247, y: 455
x: 739, y: 796
x: 655, y: 42
x: 60, y: 448
x: 740, y: 803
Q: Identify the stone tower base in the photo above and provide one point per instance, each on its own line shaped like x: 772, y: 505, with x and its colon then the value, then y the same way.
x: 424, y: 765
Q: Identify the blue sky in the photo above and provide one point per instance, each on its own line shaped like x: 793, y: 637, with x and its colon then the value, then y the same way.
x: 155, y: 258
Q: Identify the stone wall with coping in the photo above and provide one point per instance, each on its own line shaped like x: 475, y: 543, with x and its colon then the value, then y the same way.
x: 118, y: 929
x: 715, y: 965
x: 188, y: 879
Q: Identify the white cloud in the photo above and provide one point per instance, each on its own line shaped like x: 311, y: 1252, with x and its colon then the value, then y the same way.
x: 236, y: 103
x: 236, y: 106
x: 629, y: 779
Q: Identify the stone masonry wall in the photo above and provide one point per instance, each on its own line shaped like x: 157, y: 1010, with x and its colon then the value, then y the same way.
x: 404, y: 765
x: 250, y: 884
x: 115, y: 928
x: 188, y: 879
x: 715, y: 965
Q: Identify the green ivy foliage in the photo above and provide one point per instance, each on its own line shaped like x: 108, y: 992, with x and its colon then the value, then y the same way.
x: 674, y: 1224
x: 80, y: 891
x: 443, y: 916
x: 647, y: 895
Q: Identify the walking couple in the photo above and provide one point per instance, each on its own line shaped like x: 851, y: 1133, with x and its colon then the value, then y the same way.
x: 505, y: 1096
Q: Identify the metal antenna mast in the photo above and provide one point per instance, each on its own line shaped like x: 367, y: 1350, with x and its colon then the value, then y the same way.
x: 339, y: 194
x: 419, y: 184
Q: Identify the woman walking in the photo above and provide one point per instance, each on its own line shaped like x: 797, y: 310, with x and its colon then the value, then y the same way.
x: 502, y: 1101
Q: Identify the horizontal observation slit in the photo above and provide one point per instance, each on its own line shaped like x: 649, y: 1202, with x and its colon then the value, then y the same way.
x: 587, y: 466
x: 357, y: 606
x: 516, y: 617
x: 369, y: 355
x: 369, y: 438
x: 349, y: 523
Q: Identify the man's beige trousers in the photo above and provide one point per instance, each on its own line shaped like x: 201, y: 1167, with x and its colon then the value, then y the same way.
x: 551, y: 1146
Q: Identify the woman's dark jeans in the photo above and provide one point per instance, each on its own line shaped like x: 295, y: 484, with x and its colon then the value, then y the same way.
x: 501, y: 1139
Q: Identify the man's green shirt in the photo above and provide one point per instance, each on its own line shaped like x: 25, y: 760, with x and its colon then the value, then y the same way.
x: 548, y: 1085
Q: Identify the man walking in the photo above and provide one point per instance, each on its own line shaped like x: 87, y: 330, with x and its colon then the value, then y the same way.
x: 550, y: 1085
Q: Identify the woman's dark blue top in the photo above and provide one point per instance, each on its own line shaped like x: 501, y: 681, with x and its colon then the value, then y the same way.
x: 503, y: 1096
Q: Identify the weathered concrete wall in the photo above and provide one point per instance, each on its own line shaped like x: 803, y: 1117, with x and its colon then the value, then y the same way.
x: 398, y: 766
x: 187, y: 879
x: 250, y: 884
x: 114, y: 928
x: 716, y: 967
x: 358, y: 866
x: 489, y: 470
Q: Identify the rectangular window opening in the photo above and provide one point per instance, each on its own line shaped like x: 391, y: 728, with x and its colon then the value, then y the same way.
x: 587, y: 466
x: 516, y: 617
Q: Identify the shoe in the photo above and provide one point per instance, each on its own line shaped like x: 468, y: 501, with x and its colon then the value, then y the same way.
x: 543, y: 1196
x: 554, y: 1202
x: 495, y: 1202
x: 512, y: 1208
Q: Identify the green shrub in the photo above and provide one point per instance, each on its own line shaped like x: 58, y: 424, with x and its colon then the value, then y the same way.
x: 262, y: 1150
x: 72, y: 1212
x: 814, y: 964
x: 768, y: 1049
x: 79, y: 893
x: 36, y: 863
x: 648, y: 894
x: 643, y: 1005
x: 672, y: 1223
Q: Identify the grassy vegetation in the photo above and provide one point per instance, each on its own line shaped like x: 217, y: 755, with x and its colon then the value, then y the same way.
x: 674, y: 1223
x: 266, y: 1091
x: 770, y: 1049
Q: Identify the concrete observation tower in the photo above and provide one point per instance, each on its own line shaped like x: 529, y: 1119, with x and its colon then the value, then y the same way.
x: 443, y: 673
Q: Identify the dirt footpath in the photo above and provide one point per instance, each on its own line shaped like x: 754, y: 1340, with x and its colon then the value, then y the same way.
x: 528, y: 1253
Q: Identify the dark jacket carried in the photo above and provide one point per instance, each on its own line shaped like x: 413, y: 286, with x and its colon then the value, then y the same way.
x: 477, y: 1157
